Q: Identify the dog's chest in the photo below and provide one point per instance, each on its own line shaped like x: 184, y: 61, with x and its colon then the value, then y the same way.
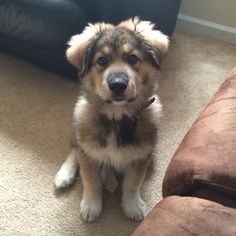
x: 116, y: 143
x: 118, y: 133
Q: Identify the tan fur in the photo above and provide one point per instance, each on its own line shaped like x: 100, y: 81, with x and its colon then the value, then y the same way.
x: 109, y: 134
x: 89, y: 136
x: 133, y: 180
x: 135, y: 175
x: 155, y: 38
x: 90, y: 176
x: 79, y: 42
x: 92, y: 194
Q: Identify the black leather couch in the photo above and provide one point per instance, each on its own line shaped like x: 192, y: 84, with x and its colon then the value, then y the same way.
x: 38, y: 30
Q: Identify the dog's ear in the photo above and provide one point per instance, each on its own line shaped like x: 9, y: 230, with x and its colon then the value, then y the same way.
x: 81, y: 46
x: 157, y: 42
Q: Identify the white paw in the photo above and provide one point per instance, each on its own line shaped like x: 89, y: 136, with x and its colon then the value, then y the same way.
x: 90, y: 210
x: 134, y: 207
x: 65, y: 177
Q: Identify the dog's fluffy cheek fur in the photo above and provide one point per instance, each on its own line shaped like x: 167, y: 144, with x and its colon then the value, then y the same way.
x: 94, y: 84
x: 146, y: 79
x: 87, y: 83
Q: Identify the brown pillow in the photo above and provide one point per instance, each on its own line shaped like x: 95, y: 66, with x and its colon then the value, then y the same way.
x: 207, y: 155
x: 185, y: 216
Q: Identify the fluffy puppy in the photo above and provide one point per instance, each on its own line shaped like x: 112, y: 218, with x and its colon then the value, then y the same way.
x: 116, y: 116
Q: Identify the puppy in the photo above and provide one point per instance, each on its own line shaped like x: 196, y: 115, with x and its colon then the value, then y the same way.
x: 116, y: 116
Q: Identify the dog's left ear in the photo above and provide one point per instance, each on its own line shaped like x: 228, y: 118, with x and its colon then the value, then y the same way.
x: 155, y: 39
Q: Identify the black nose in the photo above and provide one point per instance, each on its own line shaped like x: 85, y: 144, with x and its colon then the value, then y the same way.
x: 117, y: 83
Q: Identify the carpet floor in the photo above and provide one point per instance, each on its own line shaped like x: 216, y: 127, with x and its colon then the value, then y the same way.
x: 35, y: 115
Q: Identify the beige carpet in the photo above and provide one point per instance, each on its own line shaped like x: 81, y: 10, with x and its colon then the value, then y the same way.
x: 35, y: 114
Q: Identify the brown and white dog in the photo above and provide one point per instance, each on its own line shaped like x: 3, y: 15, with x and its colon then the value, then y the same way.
x: 116, y: 116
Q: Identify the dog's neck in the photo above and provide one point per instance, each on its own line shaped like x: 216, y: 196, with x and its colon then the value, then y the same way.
x: 134, y: 112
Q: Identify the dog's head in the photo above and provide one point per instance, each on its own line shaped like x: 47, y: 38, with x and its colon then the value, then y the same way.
x: 119, y: 63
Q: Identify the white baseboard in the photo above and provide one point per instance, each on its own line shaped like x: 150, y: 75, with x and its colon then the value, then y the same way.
x: 210, y: 29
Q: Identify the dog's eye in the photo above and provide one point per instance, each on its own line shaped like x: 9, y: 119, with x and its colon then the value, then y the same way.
x: 132, y: 60
x: 102, y: 61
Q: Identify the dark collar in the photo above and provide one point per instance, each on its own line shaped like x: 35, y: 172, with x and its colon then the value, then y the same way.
x: 145, y: 106
x: 148, y: 103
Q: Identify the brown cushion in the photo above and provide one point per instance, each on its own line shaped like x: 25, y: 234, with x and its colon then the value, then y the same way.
x: 207, y: 155
x: 185, y: 216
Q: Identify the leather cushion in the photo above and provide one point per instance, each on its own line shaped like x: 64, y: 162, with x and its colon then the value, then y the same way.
x: 44, y: 23
x: 185, y: 216
x: 207, y: 155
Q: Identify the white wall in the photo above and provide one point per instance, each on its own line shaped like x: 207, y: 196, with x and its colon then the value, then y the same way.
x: 218, y: 11
x: 214, y: 18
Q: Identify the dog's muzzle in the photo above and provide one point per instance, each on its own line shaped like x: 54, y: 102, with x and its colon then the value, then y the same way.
x: 117, y: 83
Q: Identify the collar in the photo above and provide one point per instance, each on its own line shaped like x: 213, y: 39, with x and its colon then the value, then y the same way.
x: 146, y: 105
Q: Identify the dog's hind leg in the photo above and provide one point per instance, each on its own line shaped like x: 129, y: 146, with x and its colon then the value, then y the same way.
x: 67, y: 173
x: 109, y: 179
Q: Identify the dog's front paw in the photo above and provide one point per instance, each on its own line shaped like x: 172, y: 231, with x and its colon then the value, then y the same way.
x: 134, y: 207
x: 90, y: 210
x: 64, y: 177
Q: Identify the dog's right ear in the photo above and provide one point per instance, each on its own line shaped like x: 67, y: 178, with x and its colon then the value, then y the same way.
x: 81, y: 46
x: 156, y: 42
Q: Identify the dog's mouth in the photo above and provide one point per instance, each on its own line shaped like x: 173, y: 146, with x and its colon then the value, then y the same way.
x: 120, y: 100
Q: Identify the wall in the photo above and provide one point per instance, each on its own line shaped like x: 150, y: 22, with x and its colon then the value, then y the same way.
x: 218, y: 11
x: 209, y: 17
